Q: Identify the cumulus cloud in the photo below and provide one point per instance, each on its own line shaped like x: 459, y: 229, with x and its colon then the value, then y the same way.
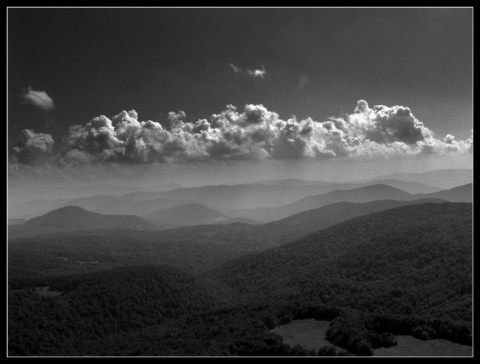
x: 255, y: 133
x: 32, y: 146
x: 38, y: 99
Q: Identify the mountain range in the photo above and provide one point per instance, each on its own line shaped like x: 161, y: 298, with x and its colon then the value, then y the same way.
x: 362, y: 194
x: 441, y: 178
x: 74, y: 218
x: 274, y: 193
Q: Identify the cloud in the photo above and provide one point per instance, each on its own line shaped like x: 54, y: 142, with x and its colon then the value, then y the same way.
x: 235, y: 68
x: 31, y: 146
x: 257, y: 73
x: 255, y: 133
x: 38, y: 99
x: 302, y: 82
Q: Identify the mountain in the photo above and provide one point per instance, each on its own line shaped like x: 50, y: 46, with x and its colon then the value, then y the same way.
x: 403, y: 271
x: 239, y: 196
x: 407, y: 186
x: 414, y: 258
x: 36, y: 207
x: 195, y: 248
x: 73, y: 218
x: 185, y: 215
x: 103, y: 204
x: 117, y: 205
x: 457, y: 194
x: 263, y: 236
x: 270, y: 193
x: 296, y: 226
x: 295, y: 182
x: 239, y: 220
x: 442, y: 178
x: 362, y: 194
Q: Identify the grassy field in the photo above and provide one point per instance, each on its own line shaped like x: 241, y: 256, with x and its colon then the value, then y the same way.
x: 308, y: 333
x: 410, y: 346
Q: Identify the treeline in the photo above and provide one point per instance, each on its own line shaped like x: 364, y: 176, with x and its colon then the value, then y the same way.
x: 102, y: 303
x: 83, y: 252
x: 55, y: 326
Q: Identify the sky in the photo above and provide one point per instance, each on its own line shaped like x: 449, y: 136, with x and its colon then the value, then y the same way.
x: 168, y: 92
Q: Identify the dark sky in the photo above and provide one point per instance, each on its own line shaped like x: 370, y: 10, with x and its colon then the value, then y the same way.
x: 103, y: 61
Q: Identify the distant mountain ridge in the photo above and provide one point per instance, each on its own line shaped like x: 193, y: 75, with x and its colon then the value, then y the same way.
x: 284, y: 231
x: 360, y: 195
x: 269, y: 194
x: 442, y: 178
x: 74, y: 218
x: 185, y: 215
x: 457, y: 194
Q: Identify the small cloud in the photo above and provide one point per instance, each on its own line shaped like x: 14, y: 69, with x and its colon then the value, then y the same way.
x: 257, y: 73
x: 38, y: 99
x: 235, y: 69
x: 32, y: 146
x: 302, y: 82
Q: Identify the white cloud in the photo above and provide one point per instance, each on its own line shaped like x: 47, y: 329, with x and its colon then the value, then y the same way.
x: 255, y: 133
x: 258, y: 73
x: 38, y: 99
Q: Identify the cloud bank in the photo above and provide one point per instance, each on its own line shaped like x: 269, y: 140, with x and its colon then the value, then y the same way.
x: 37, y: 99
x: 253, y: 133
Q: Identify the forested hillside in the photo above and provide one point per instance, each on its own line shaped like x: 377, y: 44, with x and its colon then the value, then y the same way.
x: 411, y: 259
x: 403, y: 271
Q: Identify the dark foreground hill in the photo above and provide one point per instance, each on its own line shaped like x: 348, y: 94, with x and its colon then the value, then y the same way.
x: 73, y: 218
x: 404, y: 271
x: 411, y: 259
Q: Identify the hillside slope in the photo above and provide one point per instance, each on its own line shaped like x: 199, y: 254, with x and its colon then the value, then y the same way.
x: 411, y: 259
